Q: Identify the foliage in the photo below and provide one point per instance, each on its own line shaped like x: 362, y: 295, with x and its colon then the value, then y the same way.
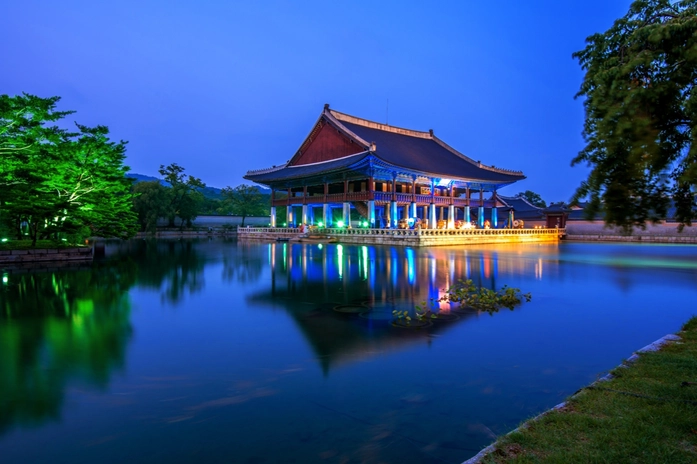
x: 466, y: 293
x: 184, y: 194
x: 641, y: 111
x: 244, y: 200
x: 151, y: 202
x: 533, y: 198
x: 56, y: 183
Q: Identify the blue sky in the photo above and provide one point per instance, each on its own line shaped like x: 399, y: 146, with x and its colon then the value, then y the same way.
x: 221, y: 87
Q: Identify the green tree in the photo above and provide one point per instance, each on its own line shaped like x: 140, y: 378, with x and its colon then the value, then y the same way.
x: 641, y: 110
x: 185, y: 196
x: 150, y: 203
x: 533, y: 198
x: 245, y: 201
x: 60, y: 183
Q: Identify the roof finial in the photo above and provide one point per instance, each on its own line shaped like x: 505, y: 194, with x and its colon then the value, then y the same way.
x: 430, y: 131
x: 326, y: 106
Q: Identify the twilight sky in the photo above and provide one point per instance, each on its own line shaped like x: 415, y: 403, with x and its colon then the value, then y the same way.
x: 222, y: 87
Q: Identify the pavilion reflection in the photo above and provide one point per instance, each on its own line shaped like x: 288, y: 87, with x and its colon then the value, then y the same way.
x: 310, y: 280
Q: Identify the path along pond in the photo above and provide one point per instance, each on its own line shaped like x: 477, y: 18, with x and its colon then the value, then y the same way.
x: 219, y: 351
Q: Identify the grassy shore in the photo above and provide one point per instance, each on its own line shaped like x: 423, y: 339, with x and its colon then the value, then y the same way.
x: 646, y: 414
x: 40, y: 244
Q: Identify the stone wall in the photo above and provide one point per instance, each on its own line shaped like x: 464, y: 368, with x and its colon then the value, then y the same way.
x: 414, y: 238
x: 45, y: 255
x: 596, y: 231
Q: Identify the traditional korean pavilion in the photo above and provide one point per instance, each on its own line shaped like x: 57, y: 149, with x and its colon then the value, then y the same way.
x: 384, y: 173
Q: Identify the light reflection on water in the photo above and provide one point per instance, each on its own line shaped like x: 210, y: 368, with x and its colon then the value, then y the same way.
x: 225, y: 352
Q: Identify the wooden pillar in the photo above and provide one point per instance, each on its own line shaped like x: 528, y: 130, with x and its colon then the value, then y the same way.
x: 371, y: 188
x: 326, y: 192
x: 345, y: 189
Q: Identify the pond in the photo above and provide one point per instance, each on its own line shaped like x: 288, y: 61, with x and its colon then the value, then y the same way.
x: 224, y: 351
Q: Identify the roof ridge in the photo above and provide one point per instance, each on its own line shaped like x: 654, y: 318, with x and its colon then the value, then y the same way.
x: 379, y: 126
x: 266, y: 170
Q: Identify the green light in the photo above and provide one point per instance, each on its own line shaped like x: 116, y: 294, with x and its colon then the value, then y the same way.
x: 340, y: 224
x: 320, y: 224
x: 284, y: 224
x: 365, y: 223
x: 5, y: 279
x: 4, y: 240
x: 319, y: 245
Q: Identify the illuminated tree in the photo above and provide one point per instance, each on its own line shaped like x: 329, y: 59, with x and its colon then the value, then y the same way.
x: 60, y: 183
x: 641, y: 111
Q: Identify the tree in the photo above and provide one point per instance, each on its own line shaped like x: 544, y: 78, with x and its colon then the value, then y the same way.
x: 641, y: 110
x: 185, y: 196
x: 533, y: 198
x: 60, y: 183
x: 244, y: 200
x: 151, y: 202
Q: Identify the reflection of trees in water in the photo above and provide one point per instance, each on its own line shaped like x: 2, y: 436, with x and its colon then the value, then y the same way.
x: 173, y: 266
x: 56, y: 327
x: 244, y: 265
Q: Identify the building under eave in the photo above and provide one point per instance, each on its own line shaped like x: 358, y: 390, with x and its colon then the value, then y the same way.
x: 385, y: 173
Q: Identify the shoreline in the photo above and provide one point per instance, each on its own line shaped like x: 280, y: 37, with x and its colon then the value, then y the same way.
x: 562, y: 407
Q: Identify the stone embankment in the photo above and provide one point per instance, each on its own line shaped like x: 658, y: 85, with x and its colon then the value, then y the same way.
x: 40, y: 255
x: 659, y: 233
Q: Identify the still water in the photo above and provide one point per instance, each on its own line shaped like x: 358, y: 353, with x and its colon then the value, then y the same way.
x: 219, y: 351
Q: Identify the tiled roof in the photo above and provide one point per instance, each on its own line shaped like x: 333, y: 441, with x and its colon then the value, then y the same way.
x: 402, y: 148
x: 427, y: 155
x: 305, y: 170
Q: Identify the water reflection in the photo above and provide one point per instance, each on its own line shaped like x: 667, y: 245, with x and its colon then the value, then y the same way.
x: 57, y: 327
x: 342, y: 298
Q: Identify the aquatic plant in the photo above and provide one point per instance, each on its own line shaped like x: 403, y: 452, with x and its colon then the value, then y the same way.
x: 466, y: 293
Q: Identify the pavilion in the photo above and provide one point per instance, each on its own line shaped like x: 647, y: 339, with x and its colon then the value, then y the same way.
x: 385, y: 174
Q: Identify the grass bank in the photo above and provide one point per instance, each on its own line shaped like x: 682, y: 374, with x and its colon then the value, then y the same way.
x: 647, y: 413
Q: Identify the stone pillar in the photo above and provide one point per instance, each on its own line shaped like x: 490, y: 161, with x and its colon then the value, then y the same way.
x: 412, y: 210
x: 273, y: 217
x: 310, y: 214
x: 494, y: 218
x: 327, y: 215
x: 303, y: 219
x: 480, y: 216
x: 432, y: 224
x: 468, y: 216
x: 441, y: 214
x: 371, y: 213
x: 394, y: 217
x: 347, y: 214
x: 451, y: 217
x: 289, y: 215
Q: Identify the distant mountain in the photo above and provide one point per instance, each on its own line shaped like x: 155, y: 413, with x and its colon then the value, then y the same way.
x: 208, y: 192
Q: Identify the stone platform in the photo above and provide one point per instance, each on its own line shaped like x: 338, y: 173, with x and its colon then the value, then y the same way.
x: 408, y: 237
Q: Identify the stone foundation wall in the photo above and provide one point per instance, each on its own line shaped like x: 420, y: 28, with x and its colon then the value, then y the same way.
x: 414, y: 238
x: 658, y: 233
x: 45, y: 255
